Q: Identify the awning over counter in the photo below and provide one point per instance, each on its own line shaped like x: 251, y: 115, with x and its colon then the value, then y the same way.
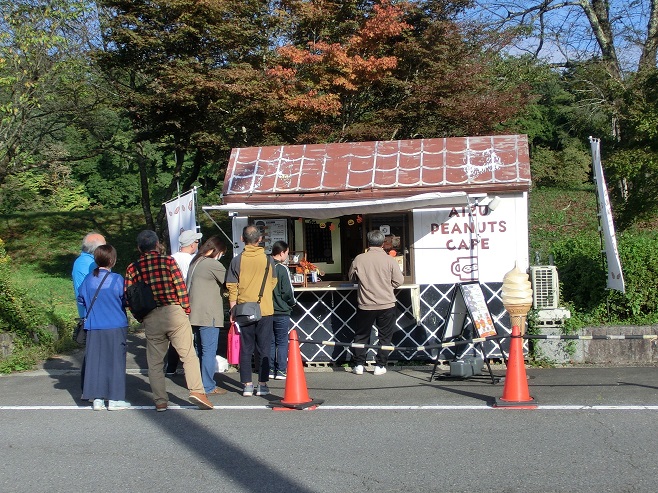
x: 324, y: 175
x: 330, y: 209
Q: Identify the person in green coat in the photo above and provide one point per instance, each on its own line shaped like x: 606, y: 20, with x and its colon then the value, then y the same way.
x: 284, y: 300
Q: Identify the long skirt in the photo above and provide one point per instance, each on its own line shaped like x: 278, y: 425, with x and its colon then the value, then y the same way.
x: 105, y: 364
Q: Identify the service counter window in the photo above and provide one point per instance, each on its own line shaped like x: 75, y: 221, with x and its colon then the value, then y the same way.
x: 332, y: 244
x: 396, y: 229
x: 320, y: 241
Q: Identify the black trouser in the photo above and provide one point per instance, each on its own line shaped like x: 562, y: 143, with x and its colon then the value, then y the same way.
x: 256, y: 337
x: 385, y: 322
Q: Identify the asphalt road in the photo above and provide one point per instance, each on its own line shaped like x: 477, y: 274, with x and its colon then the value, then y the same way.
x: 594, y: 430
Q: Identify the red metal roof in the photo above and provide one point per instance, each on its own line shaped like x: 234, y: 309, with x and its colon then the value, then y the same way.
x: 362, y: 170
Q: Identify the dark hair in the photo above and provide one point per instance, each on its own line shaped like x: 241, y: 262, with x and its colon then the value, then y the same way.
x: 104, y: 256
x: 376, y: 238
x: 251, y: 234
x: 214, y: 245
x: 147, y: 240
x: 279, y: 247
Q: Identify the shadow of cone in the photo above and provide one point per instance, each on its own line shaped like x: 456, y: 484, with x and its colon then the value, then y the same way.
x: 296, y: 394
x: 515, y: 392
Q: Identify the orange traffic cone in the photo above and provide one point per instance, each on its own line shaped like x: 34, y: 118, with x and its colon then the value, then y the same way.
x: 515, y: 391
x: 296, y: 393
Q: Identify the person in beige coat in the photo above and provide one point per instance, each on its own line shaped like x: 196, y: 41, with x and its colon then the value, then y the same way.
x: 205, y: 280
x: 377, y: 274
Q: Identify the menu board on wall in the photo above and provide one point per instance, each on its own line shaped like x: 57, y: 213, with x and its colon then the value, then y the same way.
x: 273, y: 230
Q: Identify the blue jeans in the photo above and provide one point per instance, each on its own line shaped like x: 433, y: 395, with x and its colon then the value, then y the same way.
x: 205, y: 340
x: 279, y: 351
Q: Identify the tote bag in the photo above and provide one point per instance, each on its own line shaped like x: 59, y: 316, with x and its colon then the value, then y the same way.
x: 233, y: 350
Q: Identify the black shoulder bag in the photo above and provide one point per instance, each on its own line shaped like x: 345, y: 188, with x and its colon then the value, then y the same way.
x: 249, y: 313
x: 79, y: 333
x: 140, y: 297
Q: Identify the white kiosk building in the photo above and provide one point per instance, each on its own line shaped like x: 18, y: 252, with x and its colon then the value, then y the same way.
x: 454, y: 210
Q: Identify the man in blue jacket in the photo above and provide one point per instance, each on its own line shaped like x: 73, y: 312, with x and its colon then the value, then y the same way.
x: 84, y: 264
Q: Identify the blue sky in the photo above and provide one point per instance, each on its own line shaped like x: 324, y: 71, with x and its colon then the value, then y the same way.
x: 568, y: 32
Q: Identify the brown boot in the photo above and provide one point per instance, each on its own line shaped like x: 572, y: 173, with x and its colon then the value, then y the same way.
x: 200, y: 400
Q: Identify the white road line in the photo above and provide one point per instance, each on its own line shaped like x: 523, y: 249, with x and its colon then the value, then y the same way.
x: 354, y: 408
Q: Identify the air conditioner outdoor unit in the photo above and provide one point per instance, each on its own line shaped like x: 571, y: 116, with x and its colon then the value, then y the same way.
x: 545, y: 287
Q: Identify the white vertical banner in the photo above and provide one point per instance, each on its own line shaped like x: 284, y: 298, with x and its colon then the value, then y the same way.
x: 181, y: 215
x: 615, y: 275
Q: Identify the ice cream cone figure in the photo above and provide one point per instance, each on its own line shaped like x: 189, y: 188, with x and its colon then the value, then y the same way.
x: 518, y: 315
x: 517, y: 299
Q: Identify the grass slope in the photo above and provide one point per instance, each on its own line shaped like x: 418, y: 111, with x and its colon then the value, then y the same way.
x: 43, y: 247
x: 556, y: 213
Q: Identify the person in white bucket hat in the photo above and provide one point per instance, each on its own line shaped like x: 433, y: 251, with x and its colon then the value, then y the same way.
x: 188, y: 245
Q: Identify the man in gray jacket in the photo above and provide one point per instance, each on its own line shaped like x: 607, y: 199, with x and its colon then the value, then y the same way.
x: 377, y: 274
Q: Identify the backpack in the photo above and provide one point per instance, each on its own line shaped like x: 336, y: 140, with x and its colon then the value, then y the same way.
x: 140, y: 298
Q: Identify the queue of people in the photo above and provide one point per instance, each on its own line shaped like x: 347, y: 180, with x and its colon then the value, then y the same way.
x: 188, y: 312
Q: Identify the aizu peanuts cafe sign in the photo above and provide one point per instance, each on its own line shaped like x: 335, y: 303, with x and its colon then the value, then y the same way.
x: 471, y: 243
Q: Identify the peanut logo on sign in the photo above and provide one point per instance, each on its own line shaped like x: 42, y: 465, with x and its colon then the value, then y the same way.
x: 464, y: 267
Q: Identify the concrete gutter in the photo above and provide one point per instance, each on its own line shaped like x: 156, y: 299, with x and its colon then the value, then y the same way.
x: 633, y: 352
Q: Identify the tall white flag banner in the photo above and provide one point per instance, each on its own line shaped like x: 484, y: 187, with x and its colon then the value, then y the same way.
x: 615, y: 275
x: 181, y: 215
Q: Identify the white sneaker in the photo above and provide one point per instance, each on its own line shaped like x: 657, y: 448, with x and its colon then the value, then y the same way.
x: 358, y: 370
x: 117, y: 405
x: 379, y: 370
x: 99, y: 404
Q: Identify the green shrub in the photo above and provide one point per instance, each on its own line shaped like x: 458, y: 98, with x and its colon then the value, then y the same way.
x: 17, y: 314
x: 567, y: 167
x: 47, y: 190
x: 583, y: 279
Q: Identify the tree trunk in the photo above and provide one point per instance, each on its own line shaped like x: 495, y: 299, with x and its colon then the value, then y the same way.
x: 197, y: 162
x: 161, y: 218
x: 598, y: 15
x: 650, y: 48
x: 143, y: 162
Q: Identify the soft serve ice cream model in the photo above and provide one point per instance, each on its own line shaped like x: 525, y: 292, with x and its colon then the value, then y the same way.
x: 517, y: 296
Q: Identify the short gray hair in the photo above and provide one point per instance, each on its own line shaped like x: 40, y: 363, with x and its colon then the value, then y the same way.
x: 251, y: 234
x: 376, y: 238
x: 92, y: 241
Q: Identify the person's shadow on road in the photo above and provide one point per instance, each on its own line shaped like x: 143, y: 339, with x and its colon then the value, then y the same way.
x: 65, y: 370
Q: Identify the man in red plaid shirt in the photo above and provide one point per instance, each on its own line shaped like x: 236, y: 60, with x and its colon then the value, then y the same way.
x: 168, y: 322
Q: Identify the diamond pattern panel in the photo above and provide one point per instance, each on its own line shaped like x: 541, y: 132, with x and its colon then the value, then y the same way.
x: 330, y: 316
